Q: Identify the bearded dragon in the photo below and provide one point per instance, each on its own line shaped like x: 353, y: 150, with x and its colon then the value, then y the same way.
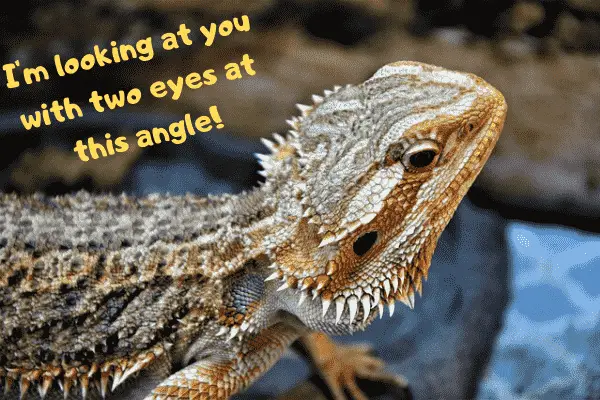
x: 96, y: 290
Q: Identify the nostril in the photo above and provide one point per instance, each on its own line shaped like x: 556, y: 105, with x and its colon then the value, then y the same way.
x: 364, y: 243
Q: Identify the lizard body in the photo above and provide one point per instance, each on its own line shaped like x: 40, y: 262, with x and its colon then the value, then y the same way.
x: 95, y: 289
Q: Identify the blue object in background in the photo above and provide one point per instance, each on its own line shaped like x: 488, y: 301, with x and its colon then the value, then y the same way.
x: 549, y: 347
x: 176, y: 178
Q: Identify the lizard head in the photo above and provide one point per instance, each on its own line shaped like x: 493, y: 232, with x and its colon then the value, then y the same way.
x: 374, y: 173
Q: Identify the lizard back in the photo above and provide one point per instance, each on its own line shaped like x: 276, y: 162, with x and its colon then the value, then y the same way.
x: 100, y: 283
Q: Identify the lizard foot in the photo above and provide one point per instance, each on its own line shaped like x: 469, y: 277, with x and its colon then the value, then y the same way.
x: 347, y: 364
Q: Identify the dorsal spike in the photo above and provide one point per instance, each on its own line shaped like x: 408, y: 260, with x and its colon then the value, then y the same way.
x: 269, y: 144
x: 279, y: 139
x: 262, y: 157
x: 294, y: 134
x: 304, y: 109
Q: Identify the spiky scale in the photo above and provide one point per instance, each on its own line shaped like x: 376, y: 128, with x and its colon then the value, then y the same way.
x: 222, y: 330
x: 262, y: 157
x: 233, y: 332
x: 352, y: 307
x: 366, y: 305
x: 274, y: 275
x: 308, y: 212
x: 327, y: 239
x: 24, y: 384
x: 117, y: 374
x: 45, y: 385
x: 325, y: 304
x: 304, y: 109
x: 269, y: 145
x: 279, y: 139
x: 395, y: 283
x: 340, y: 302
x: 104, y: 384
x: 386, y: 287
x: 84, y: 384
x: 376, y: 296
x: 66, y: 387
x: 301, y: 298
x: 411, y: 299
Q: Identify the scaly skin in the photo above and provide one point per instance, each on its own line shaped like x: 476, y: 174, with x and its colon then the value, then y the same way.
x: 103, y: 288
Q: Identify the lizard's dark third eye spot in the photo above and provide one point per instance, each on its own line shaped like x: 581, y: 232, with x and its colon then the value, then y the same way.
x: 364, y: 243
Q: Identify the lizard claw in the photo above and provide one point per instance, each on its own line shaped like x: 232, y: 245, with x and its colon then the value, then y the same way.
x: 349, y: 363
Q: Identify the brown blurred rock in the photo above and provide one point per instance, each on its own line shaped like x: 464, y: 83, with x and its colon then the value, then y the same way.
x: 548, y: 157
x: 227, y: 7
x: 214, y: 7
x: 524, y: 15
x: 579, y: 35
x: 35, y: 170
x: 585, y: 5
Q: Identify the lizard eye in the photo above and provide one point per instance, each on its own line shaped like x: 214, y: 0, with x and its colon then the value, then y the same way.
x: 421, y: 156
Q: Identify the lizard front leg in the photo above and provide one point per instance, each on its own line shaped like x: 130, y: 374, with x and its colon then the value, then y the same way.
x: 217, y: 380
x: 341, y: 365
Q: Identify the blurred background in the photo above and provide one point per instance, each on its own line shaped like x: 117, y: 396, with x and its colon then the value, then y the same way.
x: 512, y: 305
